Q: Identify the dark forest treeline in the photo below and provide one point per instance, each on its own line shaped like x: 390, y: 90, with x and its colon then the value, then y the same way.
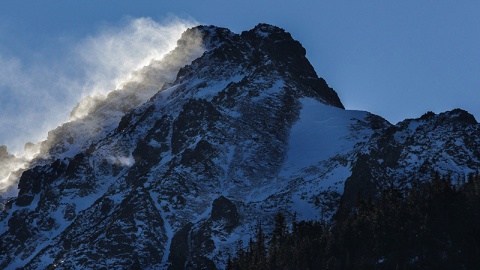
x: 435, y: 225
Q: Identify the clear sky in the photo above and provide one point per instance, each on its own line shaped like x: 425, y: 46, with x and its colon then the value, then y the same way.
x: 397, y: 59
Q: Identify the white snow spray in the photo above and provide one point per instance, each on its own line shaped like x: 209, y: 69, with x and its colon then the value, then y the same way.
x: 39, y: 98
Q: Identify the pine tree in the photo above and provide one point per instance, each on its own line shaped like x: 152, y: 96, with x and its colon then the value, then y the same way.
x: 260, y: 256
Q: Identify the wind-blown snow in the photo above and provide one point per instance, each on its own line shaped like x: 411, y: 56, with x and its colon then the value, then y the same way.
x: 129, y: 64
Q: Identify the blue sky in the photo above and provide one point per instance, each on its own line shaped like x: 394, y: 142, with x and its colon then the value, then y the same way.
x: 397, y: 59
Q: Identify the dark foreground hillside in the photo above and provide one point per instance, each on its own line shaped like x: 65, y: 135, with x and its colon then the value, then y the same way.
x: 432, y: 226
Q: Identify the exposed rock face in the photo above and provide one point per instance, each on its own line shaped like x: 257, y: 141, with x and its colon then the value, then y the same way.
x: 173, y: 170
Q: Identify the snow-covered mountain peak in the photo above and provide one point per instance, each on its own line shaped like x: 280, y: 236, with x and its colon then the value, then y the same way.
x: 181, y: 163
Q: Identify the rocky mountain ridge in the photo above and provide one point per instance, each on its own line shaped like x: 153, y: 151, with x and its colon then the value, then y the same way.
x: 176, y: 168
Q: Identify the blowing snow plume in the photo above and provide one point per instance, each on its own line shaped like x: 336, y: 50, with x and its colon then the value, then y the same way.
x: 110, y: 57
x: 116, y: 70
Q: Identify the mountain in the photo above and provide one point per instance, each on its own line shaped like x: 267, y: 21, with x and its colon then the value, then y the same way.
x: 175, y: 168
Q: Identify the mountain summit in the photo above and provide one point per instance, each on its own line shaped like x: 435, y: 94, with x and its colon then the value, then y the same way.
x: 177, y: 167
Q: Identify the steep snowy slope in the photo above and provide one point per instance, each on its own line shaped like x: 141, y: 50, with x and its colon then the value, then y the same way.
x: 174, y: 172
